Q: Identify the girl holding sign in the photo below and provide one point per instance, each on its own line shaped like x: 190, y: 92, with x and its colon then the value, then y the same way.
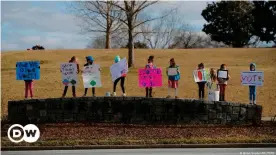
x: 222, y: 82
x: 149, y: 66
x: 173, y: 76
x: 72, y: 60
x: 201, y: 85
x: 89, y: 60
x: 122, y: 78
x: 252, y: 89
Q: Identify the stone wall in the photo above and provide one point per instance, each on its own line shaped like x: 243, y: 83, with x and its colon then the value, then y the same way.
x: 131, y: 110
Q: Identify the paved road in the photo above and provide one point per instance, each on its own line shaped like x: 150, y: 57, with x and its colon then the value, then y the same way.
x: 197, y: 151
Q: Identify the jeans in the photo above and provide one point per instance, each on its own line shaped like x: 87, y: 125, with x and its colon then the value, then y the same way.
x: 222, y: 88
x: 252, y: 93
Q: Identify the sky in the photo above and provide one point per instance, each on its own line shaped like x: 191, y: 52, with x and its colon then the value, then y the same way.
x: 51, y: 24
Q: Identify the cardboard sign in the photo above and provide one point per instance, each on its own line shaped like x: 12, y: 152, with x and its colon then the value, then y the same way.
x: 91, y: 76
x: 223, y: 74
x: 118, y: 69
x: 201, y: 75
x: 69, y: 74
x: 252, y: 78
x: 172, y: 71
x: 28, y: 70
x: 150, y: 77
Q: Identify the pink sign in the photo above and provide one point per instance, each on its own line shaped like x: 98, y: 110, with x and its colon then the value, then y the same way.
x: 150, y: 77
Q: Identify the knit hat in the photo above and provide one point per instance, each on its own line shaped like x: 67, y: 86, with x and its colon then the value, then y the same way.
x: 90, y: 58
x: 117, y: 59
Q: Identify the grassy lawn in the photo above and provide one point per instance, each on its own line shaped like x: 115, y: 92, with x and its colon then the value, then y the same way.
x: 237, y: 60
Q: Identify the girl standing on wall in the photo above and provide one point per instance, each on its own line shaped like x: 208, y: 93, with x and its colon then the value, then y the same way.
x: 222, y: 84
x: 72, y: 60
x: 201, y: 85
x: 90, y: 61
x: 122, y: 79
x: 252, y: 89
x: 173, y: 79
x: 149, y: 66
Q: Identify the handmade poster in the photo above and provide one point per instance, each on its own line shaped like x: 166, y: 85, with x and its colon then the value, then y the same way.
x: 223, y: 74
x: 213, y: 95
x: 172, y: 71
x: 118, y: 69
x: 69, y: 74
x: 252, y: 78
x: 91, y: 76
x: 28, y: 70
x: 201, y: 75
x: 150, y: 77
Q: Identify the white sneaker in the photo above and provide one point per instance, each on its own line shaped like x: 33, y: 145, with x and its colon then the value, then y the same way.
x: 114, y: 94
x: 124, y: 95
x: 254, y: 102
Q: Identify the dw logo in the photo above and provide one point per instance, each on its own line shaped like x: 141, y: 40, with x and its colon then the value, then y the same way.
x: 17, y: 133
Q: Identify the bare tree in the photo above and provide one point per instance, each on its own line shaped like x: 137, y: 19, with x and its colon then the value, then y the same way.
x: 131, y: 10
x: 98, y: 16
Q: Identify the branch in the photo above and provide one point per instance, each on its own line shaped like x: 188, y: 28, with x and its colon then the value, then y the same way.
x: 148, y: 20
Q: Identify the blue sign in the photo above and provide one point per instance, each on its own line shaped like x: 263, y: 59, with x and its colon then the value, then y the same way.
x: 28, y: 70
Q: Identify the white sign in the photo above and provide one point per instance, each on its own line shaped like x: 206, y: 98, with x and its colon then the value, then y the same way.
x: 91, y: 76
x: 252, y: 78
x: 118, y: 69
x: 69, y: 74
x: 223, y: 74
x: 29, y: 133
x: 201, y: 75
x: 172, y: 71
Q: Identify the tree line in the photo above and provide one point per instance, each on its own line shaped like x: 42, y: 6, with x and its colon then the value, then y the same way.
x: 125, y: 24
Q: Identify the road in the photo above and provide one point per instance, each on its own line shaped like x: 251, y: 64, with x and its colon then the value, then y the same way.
x: 196, y: 151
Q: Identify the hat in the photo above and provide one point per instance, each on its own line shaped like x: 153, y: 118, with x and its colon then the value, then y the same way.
x: 117, y: 59
x: 90, y: 58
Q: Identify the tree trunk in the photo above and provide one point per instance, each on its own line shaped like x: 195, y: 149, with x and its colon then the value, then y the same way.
x: 130, y: 49
x: 108, y: 27
x: 107, y: 38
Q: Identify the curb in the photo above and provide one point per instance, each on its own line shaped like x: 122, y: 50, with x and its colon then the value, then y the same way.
x: 227, y: 145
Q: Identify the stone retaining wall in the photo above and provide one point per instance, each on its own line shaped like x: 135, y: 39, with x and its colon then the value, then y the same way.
x: 132, y: 110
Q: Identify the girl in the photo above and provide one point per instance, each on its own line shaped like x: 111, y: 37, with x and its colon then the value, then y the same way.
x: 173, y: 79
x: 149, y: 66
x: 122, y: 78
x: 72, y: 60
x: 28, y: 87
x: 252, y: 89
x: 213, y: 79
x: 89, y: 60
x: 201, y: 85
x: 222, y: 84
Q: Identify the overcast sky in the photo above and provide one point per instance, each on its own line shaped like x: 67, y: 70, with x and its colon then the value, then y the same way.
x: 50, y: 24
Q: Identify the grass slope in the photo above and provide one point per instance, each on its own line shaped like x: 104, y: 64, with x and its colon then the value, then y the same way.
x: 237, y: 60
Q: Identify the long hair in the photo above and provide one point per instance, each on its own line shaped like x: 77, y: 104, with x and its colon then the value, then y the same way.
x: 213, y: 74
x: 73, y: 59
